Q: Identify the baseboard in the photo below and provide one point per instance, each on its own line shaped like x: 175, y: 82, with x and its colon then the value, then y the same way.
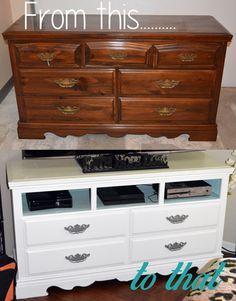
x: 231, y: 246
x: 6, y: 89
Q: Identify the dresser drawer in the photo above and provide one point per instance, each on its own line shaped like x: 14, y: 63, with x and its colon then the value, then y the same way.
x: 157, y: 248
x: 118, y: 54
x: 167, y: 83
x: 165, y: 110
x: 174, y: 218
x: 75, y: 228
x: 78, y: 257
x: 98, y: 110
x: 48, y: 55
x: 86, y: 82
x: 187, y: 55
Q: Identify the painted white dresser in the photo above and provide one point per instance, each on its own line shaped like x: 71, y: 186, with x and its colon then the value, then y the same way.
x: 91, y: 242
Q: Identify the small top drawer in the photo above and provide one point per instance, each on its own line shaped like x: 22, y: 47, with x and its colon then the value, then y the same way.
x: 187, y: 55
x: 118, y: 54
x: 175, y: 218
x: 48, y: 55
x: 75, y: 228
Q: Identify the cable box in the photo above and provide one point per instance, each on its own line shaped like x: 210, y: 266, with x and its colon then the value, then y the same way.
x: 120, y: 195
x: 49, y: 200
x: 187, y: 189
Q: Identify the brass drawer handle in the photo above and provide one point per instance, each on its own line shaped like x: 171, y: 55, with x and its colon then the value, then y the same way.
x: 119, y: 56
x: 66, y: 82
x: 177, y: 219
x: 175, y: 246
x: 77, y: 229
x: 46, y: 57
x: 167, y: 83
x: 77, y: 258
x: 165, y: 111
x: 68, y: 110
x: 187, y: 57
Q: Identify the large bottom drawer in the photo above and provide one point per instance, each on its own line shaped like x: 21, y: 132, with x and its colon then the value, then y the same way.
x: 188, y: 244
x: 77, y: 257
x: 41, y: 109
x: 166, y: 110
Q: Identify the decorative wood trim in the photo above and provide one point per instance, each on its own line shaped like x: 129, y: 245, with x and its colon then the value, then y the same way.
x: 6, y: 89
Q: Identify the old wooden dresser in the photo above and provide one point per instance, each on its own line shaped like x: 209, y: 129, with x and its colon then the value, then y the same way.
x: 161, y: 79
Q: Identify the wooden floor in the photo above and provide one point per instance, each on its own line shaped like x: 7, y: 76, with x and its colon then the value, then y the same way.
x: 114, y: 291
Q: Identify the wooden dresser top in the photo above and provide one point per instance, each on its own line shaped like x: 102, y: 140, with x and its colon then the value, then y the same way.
x: 149, y: 27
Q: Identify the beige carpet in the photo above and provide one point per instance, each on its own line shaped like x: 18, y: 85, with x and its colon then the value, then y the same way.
x: 226, y: 138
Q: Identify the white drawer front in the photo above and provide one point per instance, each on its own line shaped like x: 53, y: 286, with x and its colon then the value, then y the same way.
x: 175, y: 217
x: 59, y: 229
x: 155, y: 248
x: 77, y: 257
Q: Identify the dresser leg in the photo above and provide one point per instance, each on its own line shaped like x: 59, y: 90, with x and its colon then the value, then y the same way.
x: 31, y: 291
x: 207, y: 135
x: 30, y: 133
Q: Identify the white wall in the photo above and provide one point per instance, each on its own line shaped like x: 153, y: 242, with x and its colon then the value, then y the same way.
x: 224, y: 11
x: 230, y: 220
x: 10, y: 11
x: 17, y: 8
x: 5, y: 22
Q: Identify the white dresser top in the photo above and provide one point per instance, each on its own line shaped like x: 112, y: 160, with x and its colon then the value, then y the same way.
x: 25, y: 172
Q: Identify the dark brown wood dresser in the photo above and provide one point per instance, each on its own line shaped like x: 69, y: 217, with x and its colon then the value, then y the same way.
x: 162, y: 79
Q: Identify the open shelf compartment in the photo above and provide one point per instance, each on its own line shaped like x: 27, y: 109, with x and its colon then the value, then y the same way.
x: 81, y: 201
x: 214, y: 194
x: 151, y: 197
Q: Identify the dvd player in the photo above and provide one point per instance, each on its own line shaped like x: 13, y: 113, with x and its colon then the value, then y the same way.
x: 187, y: 189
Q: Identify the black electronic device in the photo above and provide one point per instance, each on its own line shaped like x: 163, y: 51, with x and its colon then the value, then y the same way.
x: 120, y: 195
x: 49, y: 200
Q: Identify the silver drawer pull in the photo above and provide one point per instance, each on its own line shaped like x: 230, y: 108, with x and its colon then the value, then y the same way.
x: 177, y: 219
x: 77, y: 258
x: 77, y: 229
x: 175, y: 246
